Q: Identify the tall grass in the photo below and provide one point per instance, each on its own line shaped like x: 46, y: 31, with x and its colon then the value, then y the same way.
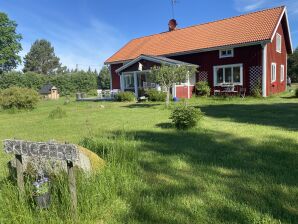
x: 102, y: 196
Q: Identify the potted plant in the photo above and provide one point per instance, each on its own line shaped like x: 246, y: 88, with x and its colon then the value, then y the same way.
x: 41, y: 192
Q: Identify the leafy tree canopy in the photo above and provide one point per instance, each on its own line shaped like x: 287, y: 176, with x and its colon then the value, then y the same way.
x: 167, y: 75
x: 104, y: 78
x: 42, y: 59
x: 293, y: 66
x: 10, y: 44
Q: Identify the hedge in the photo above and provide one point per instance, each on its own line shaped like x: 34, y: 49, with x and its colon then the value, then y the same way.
x: 66, y: 83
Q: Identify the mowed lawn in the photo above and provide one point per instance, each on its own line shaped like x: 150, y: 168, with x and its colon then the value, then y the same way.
x: 239, y: 165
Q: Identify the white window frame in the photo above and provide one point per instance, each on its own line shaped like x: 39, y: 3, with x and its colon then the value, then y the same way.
x: 227, y: 55
x: 278, y: 42
x: 273, y: 72
x: 282, y: 73
x: 215, y: 83
x: 125, y: 75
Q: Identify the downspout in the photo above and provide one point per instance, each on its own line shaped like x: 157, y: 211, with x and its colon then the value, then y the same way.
x: 264, y: 70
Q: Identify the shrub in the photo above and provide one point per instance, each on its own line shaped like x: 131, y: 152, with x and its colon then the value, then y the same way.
x: 296, y: 93
x: 185, y: 117
x: 92, y: 92
x: 57, y: 113
x: 154, y: 95
x: 125, y: 97
x: 203, y: 88
x: 18, y: 98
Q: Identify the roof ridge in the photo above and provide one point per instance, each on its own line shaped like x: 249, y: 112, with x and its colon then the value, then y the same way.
x: 201, y: 24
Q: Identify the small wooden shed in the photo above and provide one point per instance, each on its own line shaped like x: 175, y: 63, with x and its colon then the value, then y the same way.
x: 49, y: 91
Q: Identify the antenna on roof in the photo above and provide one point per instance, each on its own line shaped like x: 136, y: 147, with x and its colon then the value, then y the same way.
x: 173, y: 2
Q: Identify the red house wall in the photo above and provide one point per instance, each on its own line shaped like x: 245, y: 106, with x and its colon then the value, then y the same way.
x: 115, y: 76
x: 248, y: 56
x: 181, y: 91
x: 280, y: 59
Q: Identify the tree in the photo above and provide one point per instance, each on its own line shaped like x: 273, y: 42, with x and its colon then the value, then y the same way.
x: 10, y: 44
x: 293, y: 66
x: 167, y: 75
x: 104, y: 78
x: 41, y: 58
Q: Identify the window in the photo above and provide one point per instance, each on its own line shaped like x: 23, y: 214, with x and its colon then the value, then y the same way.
x: 282, y: 73
x: 228, y: 74
x: 128, y: 81
x: 226, y: 53
x: 278, y: 43
x: 273, y: 72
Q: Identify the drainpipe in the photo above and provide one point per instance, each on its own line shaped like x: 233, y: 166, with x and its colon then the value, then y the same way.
x: 264, y: 72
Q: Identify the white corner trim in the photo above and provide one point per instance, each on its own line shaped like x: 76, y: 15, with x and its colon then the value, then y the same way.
x: 264, y: 72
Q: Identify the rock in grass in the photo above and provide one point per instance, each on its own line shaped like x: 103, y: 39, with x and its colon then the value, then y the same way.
x: 88, y: 162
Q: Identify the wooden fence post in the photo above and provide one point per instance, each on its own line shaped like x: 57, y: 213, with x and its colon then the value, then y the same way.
x: 72, y: 187
x: 20, y: 175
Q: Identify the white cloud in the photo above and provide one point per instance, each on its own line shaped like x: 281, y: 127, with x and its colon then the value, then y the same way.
x: 85, y: 45
x: 248, y: 5
x: 252, y: 5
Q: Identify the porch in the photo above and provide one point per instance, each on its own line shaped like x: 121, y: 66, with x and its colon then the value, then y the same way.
x: 135, y: 77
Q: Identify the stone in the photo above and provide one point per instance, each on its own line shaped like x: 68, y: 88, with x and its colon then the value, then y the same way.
x: 87, y: 161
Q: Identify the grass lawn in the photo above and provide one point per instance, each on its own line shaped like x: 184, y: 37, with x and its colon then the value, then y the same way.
x: 239, y: 165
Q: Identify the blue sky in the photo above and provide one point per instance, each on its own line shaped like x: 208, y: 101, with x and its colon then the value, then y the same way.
x: 88, y: 32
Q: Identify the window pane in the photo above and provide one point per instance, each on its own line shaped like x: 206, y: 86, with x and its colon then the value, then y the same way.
x: 219, y: 75
x: 128, y: 81
x: 236, y: 74
x: 228, y: 75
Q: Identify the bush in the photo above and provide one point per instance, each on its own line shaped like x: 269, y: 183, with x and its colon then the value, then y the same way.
x: 154, y: 95
x: 203, y: 88
x: 296, y: 93
x: 18, y: 98
x: 92, y: 92
x: 185, y: 117
x: 57, y: 113
x: 125, y: 97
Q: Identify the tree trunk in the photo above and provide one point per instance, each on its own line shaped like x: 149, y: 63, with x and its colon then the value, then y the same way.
x: 168, y: 97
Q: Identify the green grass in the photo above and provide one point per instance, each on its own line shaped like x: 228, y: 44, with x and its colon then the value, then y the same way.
x: 239, y: 165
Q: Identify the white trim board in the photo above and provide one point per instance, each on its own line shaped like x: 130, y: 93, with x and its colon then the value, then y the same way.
x: 284, y: 13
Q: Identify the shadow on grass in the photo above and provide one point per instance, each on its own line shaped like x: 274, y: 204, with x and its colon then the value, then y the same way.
x: 216, y: 177
x: 165, y: 125
x: 142, y: 105
x: 283, y: 115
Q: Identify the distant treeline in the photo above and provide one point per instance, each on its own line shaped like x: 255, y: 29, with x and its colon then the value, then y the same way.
x: 69, y: 83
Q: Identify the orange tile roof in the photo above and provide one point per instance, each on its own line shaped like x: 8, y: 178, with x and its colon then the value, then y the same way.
x: 252, y: 27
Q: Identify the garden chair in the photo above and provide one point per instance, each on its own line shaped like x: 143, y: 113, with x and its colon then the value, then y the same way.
x: 242, y: 92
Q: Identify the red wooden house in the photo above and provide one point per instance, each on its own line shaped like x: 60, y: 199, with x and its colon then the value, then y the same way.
x: 243, y: 51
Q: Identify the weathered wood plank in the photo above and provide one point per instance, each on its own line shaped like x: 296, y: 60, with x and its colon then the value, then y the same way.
x: 20, y: 176
x: 72, y: 188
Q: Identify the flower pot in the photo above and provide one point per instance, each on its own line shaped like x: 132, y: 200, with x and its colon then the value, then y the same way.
x: 43, y: 201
